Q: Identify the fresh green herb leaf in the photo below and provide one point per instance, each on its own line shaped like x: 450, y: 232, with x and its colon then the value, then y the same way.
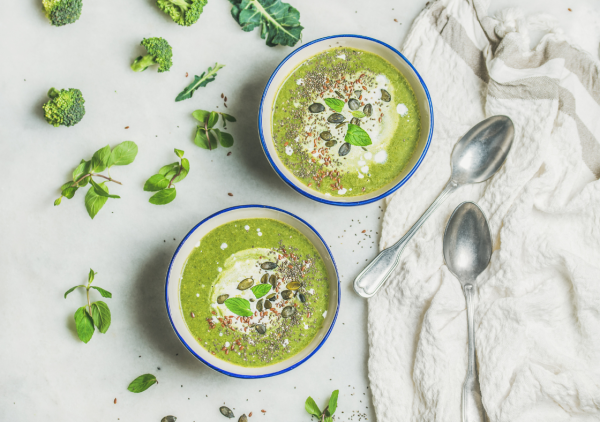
x: 239, y: 306
x: 207, y: 136
x: 101, y: 316
x: 68, y: 190
x: 202, y: 141
x: 104, y: 293
x: 261, y: 289
x: 333, y: 402
x: 328, y: 419
x: 142, y: 383
x: 80, y: 170
x: 213, y: 119
x: 165, y: 169
x: 102, y: 191
x: 100, y: 159
x: 201, y: 115
x: 57, y: 201
x: 84, y: 324
x: 71, y: 289
x: 163, y: 197
x: 179, y: 153
x: 357, y: 136
x: 279, y: 22
x: 228, y: 117
x: 91, y: 276
x: 94, y: 202
x: 335, y: 104
x: 358, y: 114
x: 185, y: 168
x: 312, y: 408
x: 171, y: 174
x: 199, y: 81
x: 225, y: 139
x: 123, y: 154
x: 156, y: 183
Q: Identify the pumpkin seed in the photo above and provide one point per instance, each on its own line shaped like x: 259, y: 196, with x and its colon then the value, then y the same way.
x: 294, y: 285
x: 245, y: 284
x: 326, y: 136
x: 316, y: 108
x: 221, y: 299
x: 340, y: 125
x: 225, y: 411
x: 336, y: 118
x: 271, y: 296
x: 268, y: 304
x: 273, y: 280
x: 261, y: 329
x: 385, y: 96
x: 168, y: 419
x: 264, y: 279
x: 259, y: 305
x: 288, y: 311
x: 339, y: 94
x: 353, y: 104
x: 302, y: 298
x: 344, y: 149
x: 357, y: 93
x: 368, y: 110
x: 287, y: 294
x: 268, y: 266
x: 331, y: 143
x: 355, y: 121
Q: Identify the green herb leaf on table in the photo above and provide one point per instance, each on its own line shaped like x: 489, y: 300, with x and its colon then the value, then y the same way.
x: 102, y: 190
x: 123, y: 154
x: 357, y: 136
x: 165, y: 169
x: 209, y: 137
x: 163, y: 183
x: 163, y: 197
x: 328, y: 419
x: 335, y: 104
x: 101, y: 316
x: 72, y: 289
x: 312, y: 408
x: 279, y: 22
x: 142, y: 383
x: 327, y: 414
x: 239, y: 306
x: 84, y: 324
x: 94, y: 202
x: 103, y: 293
x: 156, y: 183
x: 261, y: 289
x: 333, y: 402
x: 100, y: 159
x: 179, y: 152
x: 199, y: 81
x: 358, y: 114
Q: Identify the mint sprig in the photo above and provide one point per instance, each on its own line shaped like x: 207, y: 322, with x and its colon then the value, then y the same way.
x: 93, y: 314
x: 163, y: 183
x: 142, y: 383
x: 357, y: 136
x: 207, y: 136
x: 327, y: 414
x: 335, y: 104
x: 239, y: 306
x: 103, y: 159
x: 261, y: 289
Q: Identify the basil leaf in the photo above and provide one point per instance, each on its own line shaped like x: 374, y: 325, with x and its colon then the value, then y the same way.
x: 163, y: 197
x: 333, y: 402
x: 104, y: 293
x: 100, y: 159
x: 80, y: 170
x: 358, y: 114
x: 102, y: 191
x: 94, y: 202
x: 71, y: 289
x: 179, y: 152
x: 142, y: 383
x: 101, y: 316
x: 201, y: 115
x: 165, y: 169
x: 239, y: 306
x: 335, y: 104
x: 84, y: 324
x: 279, y: 22
x: 225, y: 139
x: 68, y: 190
x: 91, y: 276
x: 312, y: 408
x: 156, y: 183
x: 199, y: 81
x: 123, y: 154
x: 357, y: 136
x: 261, y: 289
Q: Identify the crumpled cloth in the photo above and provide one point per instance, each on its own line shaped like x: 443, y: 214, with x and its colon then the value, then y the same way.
x: 537, y: 306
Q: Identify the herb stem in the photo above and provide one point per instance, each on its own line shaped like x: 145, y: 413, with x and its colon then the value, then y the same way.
x: 174, y: 177
x: 96, y: 174
x: 87, y: 290
x: 207, y: 137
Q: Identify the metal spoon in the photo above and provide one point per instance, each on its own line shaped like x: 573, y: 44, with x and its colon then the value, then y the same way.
x: 467, y: 252
x: 475, y: 158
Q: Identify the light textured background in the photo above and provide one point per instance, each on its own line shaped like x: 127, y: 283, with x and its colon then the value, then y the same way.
x: 46, y: 372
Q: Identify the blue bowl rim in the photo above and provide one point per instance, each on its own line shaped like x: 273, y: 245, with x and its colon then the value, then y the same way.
x: 232, y: 374
x: 326, y: 201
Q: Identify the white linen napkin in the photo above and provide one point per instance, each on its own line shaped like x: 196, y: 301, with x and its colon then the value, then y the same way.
x: 537, y: 319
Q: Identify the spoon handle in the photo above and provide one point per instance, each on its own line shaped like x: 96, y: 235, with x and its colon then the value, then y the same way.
x: 370, y: 280
x: 472, y: 410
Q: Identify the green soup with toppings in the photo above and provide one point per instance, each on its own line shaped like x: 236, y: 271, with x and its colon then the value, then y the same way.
x: 345, y: 122
x: 254, y: 292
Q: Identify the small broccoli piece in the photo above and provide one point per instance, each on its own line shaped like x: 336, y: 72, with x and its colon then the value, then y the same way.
x: 65, y: 107
x: 159, y: 52
x: 183, y: 12
x: 62, y: 12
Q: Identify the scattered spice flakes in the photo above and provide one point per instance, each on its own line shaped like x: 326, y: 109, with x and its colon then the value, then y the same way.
x: 395, y: 20
x: 250, y: 414
x: 569, y: 9
x: 222, y: 96
x: 115, y: 400
x: 126, y: 127
x: 230, y: 194
x: 229, y: 153
x: 187, y: 74
x: 225, y: 98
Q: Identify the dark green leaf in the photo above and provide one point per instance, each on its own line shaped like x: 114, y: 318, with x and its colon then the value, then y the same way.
x: 225, y: 139
x: 156, y: 183
x: 199, y: 81
x: 335, y: 104
x: 185, y: 166
x: 123, y: 154
x: 104, y: 293
x: 358, y: 114
x: 228, y: 117
x: 68, y: 190
x: 163, y: 197
x: 84, y: 324
x: 333, y: 402
x: 80, y: 170
x: 101, y: 316
x: 312, y: 408
x: 279, y: 22
x: 357, y: 136
x: 179, y: 152
x: 100, y: 159
x: 201, y: 115
x: 94, y: 202
x: 102, y: 191
x: 202, y: 141
x: 261, y: 289
x: 213, y: 119
x: 165, y: 169
x: 91, y: 276
x: 71, y: 289
x: 239, y: 306
x: 142, y: 383
x: 172, y: 172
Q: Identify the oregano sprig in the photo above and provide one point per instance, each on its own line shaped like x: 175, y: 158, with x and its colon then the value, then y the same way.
x: 93, y: 314
x: 327, y: 414
x: 103, y: 159
x: 163, y: 183
x: 209, y: 137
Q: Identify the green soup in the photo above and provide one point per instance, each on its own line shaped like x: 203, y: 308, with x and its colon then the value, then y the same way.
x: 254, y: 292
x: 368, y: 92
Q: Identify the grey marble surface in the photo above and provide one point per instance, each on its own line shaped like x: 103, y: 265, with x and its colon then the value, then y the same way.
x: 47, y: 373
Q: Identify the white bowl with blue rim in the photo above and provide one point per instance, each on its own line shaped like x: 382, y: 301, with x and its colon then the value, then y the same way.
x: 175, y: 273
x: 307, y: 51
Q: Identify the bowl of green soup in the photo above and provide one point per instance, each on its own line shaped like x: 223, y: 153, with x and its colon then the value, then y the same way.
x: 345, y: 120
x: 252, y: 291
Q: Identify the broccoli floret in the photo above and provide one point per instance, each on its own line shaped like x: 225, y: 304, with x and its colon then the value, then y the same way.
x: 62, y: 12
x: 65, y: 107
x: 159, y: 52
x: 183, y: 12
